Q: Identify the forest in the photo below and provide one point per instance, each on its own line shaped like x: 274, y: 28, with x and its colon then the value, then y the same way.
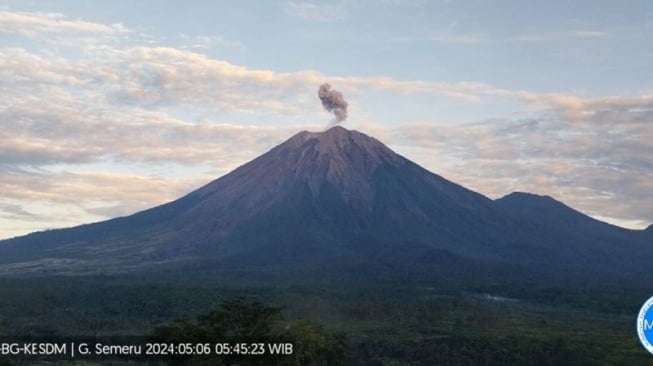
x: 352, y: 325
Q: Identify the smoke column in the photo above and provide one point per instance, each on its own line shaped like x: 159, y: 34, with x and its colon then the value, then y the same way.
x: 333, y: 101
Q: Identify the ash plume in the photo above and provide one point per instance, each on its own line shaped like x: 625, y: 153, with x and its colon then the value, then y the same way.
x: 333, y: 101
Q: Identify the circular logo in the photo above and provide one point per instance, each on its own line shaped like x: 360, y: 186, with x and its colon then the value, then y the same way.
x: 645, y: 325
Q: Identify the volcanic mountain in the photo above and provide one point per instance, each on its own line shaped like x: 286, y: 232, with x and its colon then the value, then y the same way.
x: 340, y: 201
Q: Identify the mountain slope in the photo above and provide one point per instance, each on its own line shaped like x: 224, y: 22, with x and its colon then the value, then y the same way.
x: 339, y: 200
x: 594, y: 246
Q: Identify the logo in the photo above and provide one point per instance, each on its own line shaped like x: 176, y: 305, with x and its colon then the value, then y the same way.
x: 645, y: 325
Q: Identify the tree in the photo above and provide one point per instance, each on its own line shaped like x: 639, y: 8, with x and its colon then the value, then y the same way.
x: 313, y: 346
x: 240, y: 319
x: 243, y: 322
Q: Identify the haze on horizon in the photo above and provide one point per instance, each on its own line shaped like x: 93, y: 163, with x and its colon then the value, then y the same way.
x: 113, y: 107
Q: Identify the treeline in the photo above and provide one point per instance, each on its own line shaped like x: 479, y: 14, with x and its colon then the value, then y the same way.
x: 384, y: 326
x: 256, y: 327
x: 489, y: 351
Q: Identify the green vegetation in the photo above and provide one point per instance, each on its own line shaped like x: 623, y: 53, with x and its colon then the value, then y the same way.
x: 256, y: 326
x: 383, y: 325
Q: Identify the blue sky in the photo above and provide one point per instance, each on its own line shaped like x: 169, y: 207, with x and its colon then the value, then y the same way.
x: 112, y: 107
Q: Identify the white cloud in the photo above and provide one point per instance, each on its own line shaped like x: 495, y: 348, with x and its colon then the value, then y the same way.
x: 593, y: 154
x: 318, y: 11
x: 557, y: 36
x: 130, y: 105
x: 206, y: 42
x: 46, y: 24
x: 467, y: 38
x: 56, y: 28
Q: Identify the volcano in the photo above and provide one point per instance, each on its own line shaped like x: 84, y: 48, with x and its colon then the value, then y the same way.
x: 340, y: 201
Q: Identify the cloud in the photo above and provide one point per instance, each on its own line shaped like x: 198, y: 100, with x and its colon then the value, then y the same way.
x: 55, y: 27
x: 149, y: 77
x: 466, y: 38
x: 45, y: 24
x: 72, y: 198
x: 206, y: 42
x: 593, y: 154
x: 54, y: 134
x: 338, y: 10
x: 557, y: 36
x: 132, y: 103
x: 318, y: 12
x: 132, y: 109
x: 8, y: 210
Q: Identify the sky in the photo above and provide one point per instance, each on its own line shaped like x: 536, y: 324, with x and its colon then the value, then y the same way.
x: 111, y: 107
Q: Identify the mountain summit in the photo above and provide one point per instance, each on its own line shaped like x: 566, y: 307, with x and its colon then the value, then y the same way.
x: 342, y: 202
x: 336, y: 157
